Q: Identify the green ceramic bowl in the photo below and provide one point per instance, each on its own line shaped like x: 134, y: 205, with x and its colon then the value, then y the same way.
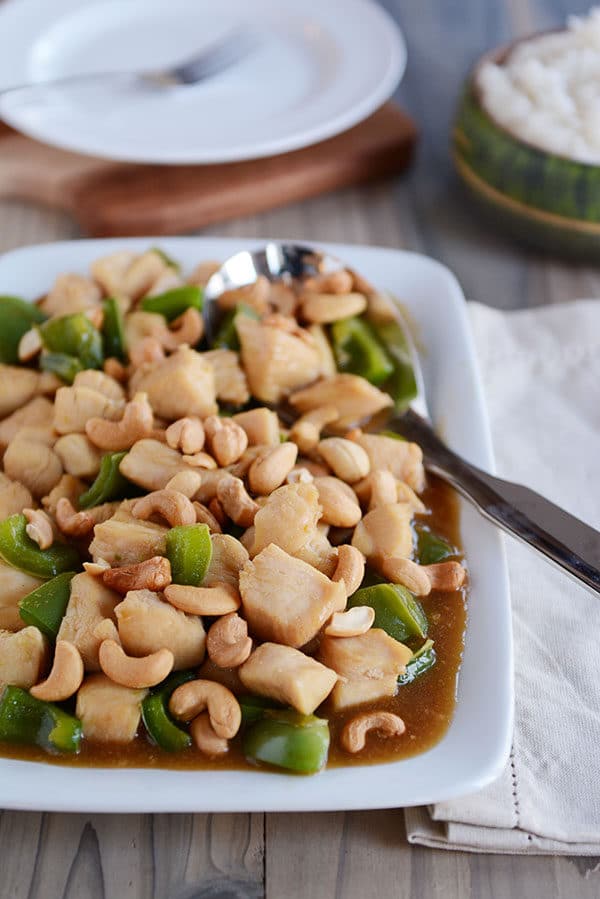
x: 542, y: 199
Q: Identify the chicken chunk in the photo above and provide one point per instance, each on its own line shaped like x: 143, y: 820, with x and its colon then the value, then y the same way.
x: 109, y: 713
x: 402, y: 458
x: 328, y: 366
x: 139, y: 325
x: 276, y: 362
x: 182, y: 384
x: 32, y: 462
x: 385, y: 531
x: 152, y: 464
x: 78, y: 455
x: 90, y: 602
x: 39, y: 412
x: 319, y: 553
x: 288, y: 518
x: 147, y: 623
x: 228, y: 558
x: 17, y: 387
x: 14, y: 497
x: 261, y: 426
x: 288, y: 676
x: 23, y: 657
x: 285, y: 600
x: 71, y: 293
x: 353, y: 397
x: 73, y: 406
x: 125, y: 540
x: 97, y: 380
x: 230, y: 378
x: 14, y: 585
x: 368, y: 666
x: 127, y: 273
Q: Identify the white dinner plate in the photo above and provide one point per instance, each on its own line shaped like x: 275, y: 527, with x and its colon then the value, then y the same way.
x: 476, y: 746
x: 319, y: 68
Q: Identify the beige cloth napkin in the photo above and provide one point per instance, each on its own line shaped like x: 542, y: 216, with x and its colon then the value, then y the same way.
x: 541, y: 376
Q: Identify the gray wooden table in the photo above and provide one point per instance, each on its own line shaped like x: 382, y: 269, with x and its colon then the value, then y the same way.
x: 361, y: 854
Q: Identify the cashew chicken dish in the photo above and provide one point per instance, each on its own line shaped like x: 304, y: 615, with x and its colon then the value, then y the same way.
x: 210, y: 554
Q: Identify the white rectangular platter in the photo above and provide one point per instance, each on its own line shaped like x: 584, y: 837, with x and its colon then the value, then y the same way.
x: 477, y: 744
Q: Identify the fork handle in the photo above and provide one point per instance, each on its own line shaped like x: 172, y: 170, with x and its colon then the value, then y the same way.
x: 563, y: 539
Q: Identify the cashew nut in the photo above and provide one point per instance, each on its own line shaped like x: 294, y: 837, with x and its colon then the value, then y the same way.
x: 96, y: 569
x: 200, y: 460
x: 148, y: 349
x: 106, y: 629
x: 384, y: 488
x: 129, y: 671
x: 350, y: 568
x: 115, y: 369
x: 218, y: 600
x: 403, y: 571
x: 186, y: 435
x: 173, y: 506
x: 186, y: 482
x: 137, y: 423
x: 446, y: 576
x: 269, y: 471
x: 227, y: 643
x: 352, y: 623
x: 217, y: 511
x: 204, y: 272
x: 192, y: 698
x: 78, y: 524
x: 323, y: 308
x: 306, y: 430
x: 205, y: 516
x: 228, y: 440
x: 338, y: 501
x: 340, y: 281
x: 255, y: 295
x: 187, y: 329
x: 205, y: 738
x: 236, y: 502
x: 354, y: 733
x: 39, y: 527
x: 30, y: 345
x: 347, y: 460
x: 152, y: 574
x: 66, y: 675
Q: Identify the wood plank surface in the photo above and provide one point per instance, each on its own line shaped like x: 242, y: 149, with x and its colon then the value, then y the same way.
x: 358, y: 855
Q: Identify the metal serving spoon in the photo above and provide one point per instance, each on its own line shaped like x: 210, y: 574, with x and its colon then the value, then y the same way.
x: 563, y: 539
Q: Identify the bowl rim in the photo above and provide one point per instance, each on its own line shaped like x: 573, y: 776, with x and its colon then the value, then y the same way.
x: 499, y: 55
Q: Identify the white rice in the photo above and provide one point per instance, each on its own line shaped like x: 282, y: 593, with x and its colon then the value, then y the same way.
x: 548, y: 90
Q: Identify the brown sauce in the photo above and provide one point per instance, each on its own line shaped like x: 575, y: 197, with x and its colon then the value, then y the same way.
x: 426, y: 705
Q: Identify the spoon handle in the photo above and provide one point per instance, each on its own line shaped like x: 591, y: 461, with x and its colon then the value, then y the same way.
x: 563, y: 539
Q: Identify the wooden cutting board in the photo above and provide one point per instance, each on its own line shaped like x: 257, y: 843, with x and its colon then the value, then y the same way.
x: 114, y: 199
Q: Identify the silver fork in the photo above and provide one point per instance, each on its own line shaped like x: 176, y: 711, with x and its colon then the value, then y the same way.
x: 563, y: 539
x: 236, y: 45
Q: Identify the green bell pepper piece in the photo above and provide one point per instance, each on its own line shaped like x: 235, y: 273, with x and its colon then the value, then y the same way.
x: 24, y: 719
x: 168, y: 260
x: 45, y: 606
x: 109, y: 484
x: 16, y: 318
x: 423, y: 660
x: 431, y: 548
x: 358, y: 351
x: 402, y: 384
x: 18, y: 550
x: 74, y: 335
x: 173, y: 303
x: 255, y: 707
x: 288, y: 740
x: 397, y: 611
x: 65, y: 367
x: 113, y: 331
x: 160, y: 726
x: 189, y: 550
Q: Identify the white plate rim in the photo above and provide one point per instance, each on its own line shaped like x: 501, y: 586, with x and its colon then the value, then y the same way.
x: 451, y: 768
x: 342, y: 121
